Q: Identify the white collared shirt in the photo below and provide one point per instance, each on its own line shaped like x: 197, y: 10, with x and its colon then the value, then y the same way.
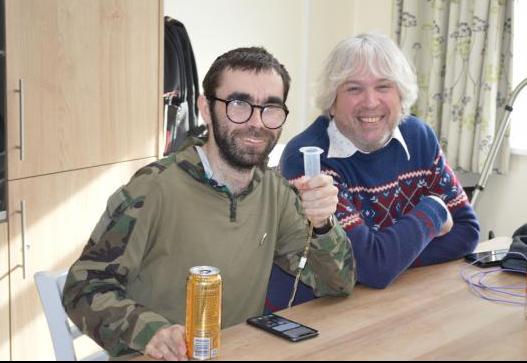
x: 205, y: 161
x: 342, y: 147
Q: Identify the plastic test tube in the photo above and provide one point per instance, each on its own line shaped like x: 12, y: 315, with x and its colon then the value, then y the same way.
x: 311, y: 160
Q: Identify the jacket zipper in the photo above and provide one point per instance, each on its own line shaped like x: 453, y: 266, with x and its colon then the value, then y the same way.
x: 234, y: 203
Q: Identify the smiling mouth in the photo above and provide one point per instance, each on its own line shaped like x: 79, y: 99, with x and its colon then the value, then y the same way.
x: 370, y: 120
x: 252, y: 142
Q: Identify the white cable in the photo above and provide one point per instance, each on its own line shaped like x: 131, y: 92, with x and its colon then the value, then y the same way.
x: 482, y: 289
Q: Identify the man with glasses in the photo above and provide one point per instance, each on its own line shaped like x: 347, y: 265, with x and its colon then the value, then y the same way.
x: 213, y: 203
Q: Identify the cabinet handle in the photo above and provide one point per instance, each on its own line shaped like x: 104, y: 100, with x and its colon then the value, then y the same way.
x: 25, y: 244
x: 20, y: 92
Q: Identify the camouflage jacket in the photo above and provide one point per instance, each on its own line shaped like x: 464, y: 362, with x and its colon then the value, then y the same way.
x: 130, y: 279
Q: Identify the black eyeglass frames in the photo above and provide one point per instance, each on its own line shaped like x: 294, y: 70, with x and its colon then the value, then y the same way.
x: 239, y: 112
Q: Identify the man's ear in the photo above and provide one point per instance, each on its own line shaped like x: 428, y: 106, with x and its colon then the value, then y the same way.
x: 331, y: 111
x: 204, y: 109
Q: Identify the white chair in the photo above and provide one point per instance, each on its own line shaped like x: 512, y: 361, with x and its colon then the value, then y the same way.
x: 63, y: 333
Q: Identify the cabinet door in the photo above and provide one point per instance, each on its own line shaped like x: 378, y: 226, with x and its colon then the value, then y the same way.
x: 4, y: 294
x: 60, y: 212
x: 91, y: 83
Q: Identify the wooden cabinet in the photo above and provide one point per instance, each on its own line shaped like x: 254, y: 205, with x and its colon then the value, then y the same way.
x: 60, y: 212
x: 83, y: 83
x: 4, y: 294
x: 84, y: 112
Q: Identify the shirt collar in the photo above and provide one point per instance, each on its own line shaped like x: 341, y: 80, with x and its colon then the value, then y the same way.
x: 205, y: 161
x: 209, y: 173
x: 342, y: 147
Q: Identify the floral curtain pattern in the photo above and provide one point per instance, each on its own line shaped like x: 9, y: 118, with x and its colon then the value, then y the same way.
x: 462, y: 51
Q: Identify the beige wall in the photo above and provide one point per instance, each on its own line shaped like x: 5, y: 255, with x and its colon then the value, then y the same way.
x: 300, y: 33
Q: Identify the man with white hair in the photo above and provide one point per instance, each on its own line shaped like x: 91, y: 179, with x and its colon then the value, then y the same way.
x: 399, y: 201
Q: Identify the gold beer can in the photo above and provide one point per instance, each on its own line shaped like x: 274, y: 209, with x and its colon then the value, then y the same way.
x: 203, y: 315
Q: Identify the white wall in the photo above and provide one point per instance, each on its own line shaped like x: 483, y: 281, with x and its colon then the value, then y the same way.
x: 502, y: 206
x: 300, y: 33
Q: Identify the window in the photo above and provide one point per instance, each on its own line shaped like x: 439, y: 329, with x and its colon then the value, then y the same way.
x: 519, y: 73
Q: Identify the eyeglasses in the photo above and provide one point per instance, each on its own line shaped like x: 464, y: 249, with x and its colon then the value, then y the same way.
x: 239, y: 112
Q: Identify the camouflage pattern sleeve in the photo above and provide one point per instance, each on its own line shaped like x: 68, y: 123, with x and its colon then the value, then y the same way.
x: 330, y: 268
x: 95, y: 291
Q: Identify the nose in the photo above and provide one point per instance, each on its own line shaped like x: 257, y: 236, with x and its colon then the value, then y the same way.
x: 256, y: 118
x: 371, y: 98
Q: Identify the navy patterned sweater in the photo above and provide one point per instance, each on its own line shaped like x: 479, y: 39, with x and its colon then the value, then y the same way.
x: 383, y: 207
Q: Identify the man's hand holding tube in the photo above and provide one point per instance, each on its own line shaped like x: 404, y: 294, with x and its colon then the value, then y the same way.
x: 319, y: 198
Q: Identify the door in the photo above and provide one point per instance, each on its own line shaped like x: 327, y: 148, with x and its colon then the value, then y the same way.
x: 84, y: 83
x: 59, y: 212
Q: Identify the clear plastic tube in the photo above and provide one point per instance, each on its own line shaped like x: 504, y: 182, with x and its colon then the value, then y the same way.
x: 311, y: 160
x: 311, y: 169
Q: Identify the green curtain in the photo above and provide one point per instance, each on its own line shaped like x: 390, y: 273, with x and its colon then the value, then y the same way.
x: 462, y: 51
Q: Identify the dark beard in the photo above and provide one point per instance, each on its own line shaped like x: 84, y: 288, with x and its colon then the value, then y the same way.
x: 234, y: 154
